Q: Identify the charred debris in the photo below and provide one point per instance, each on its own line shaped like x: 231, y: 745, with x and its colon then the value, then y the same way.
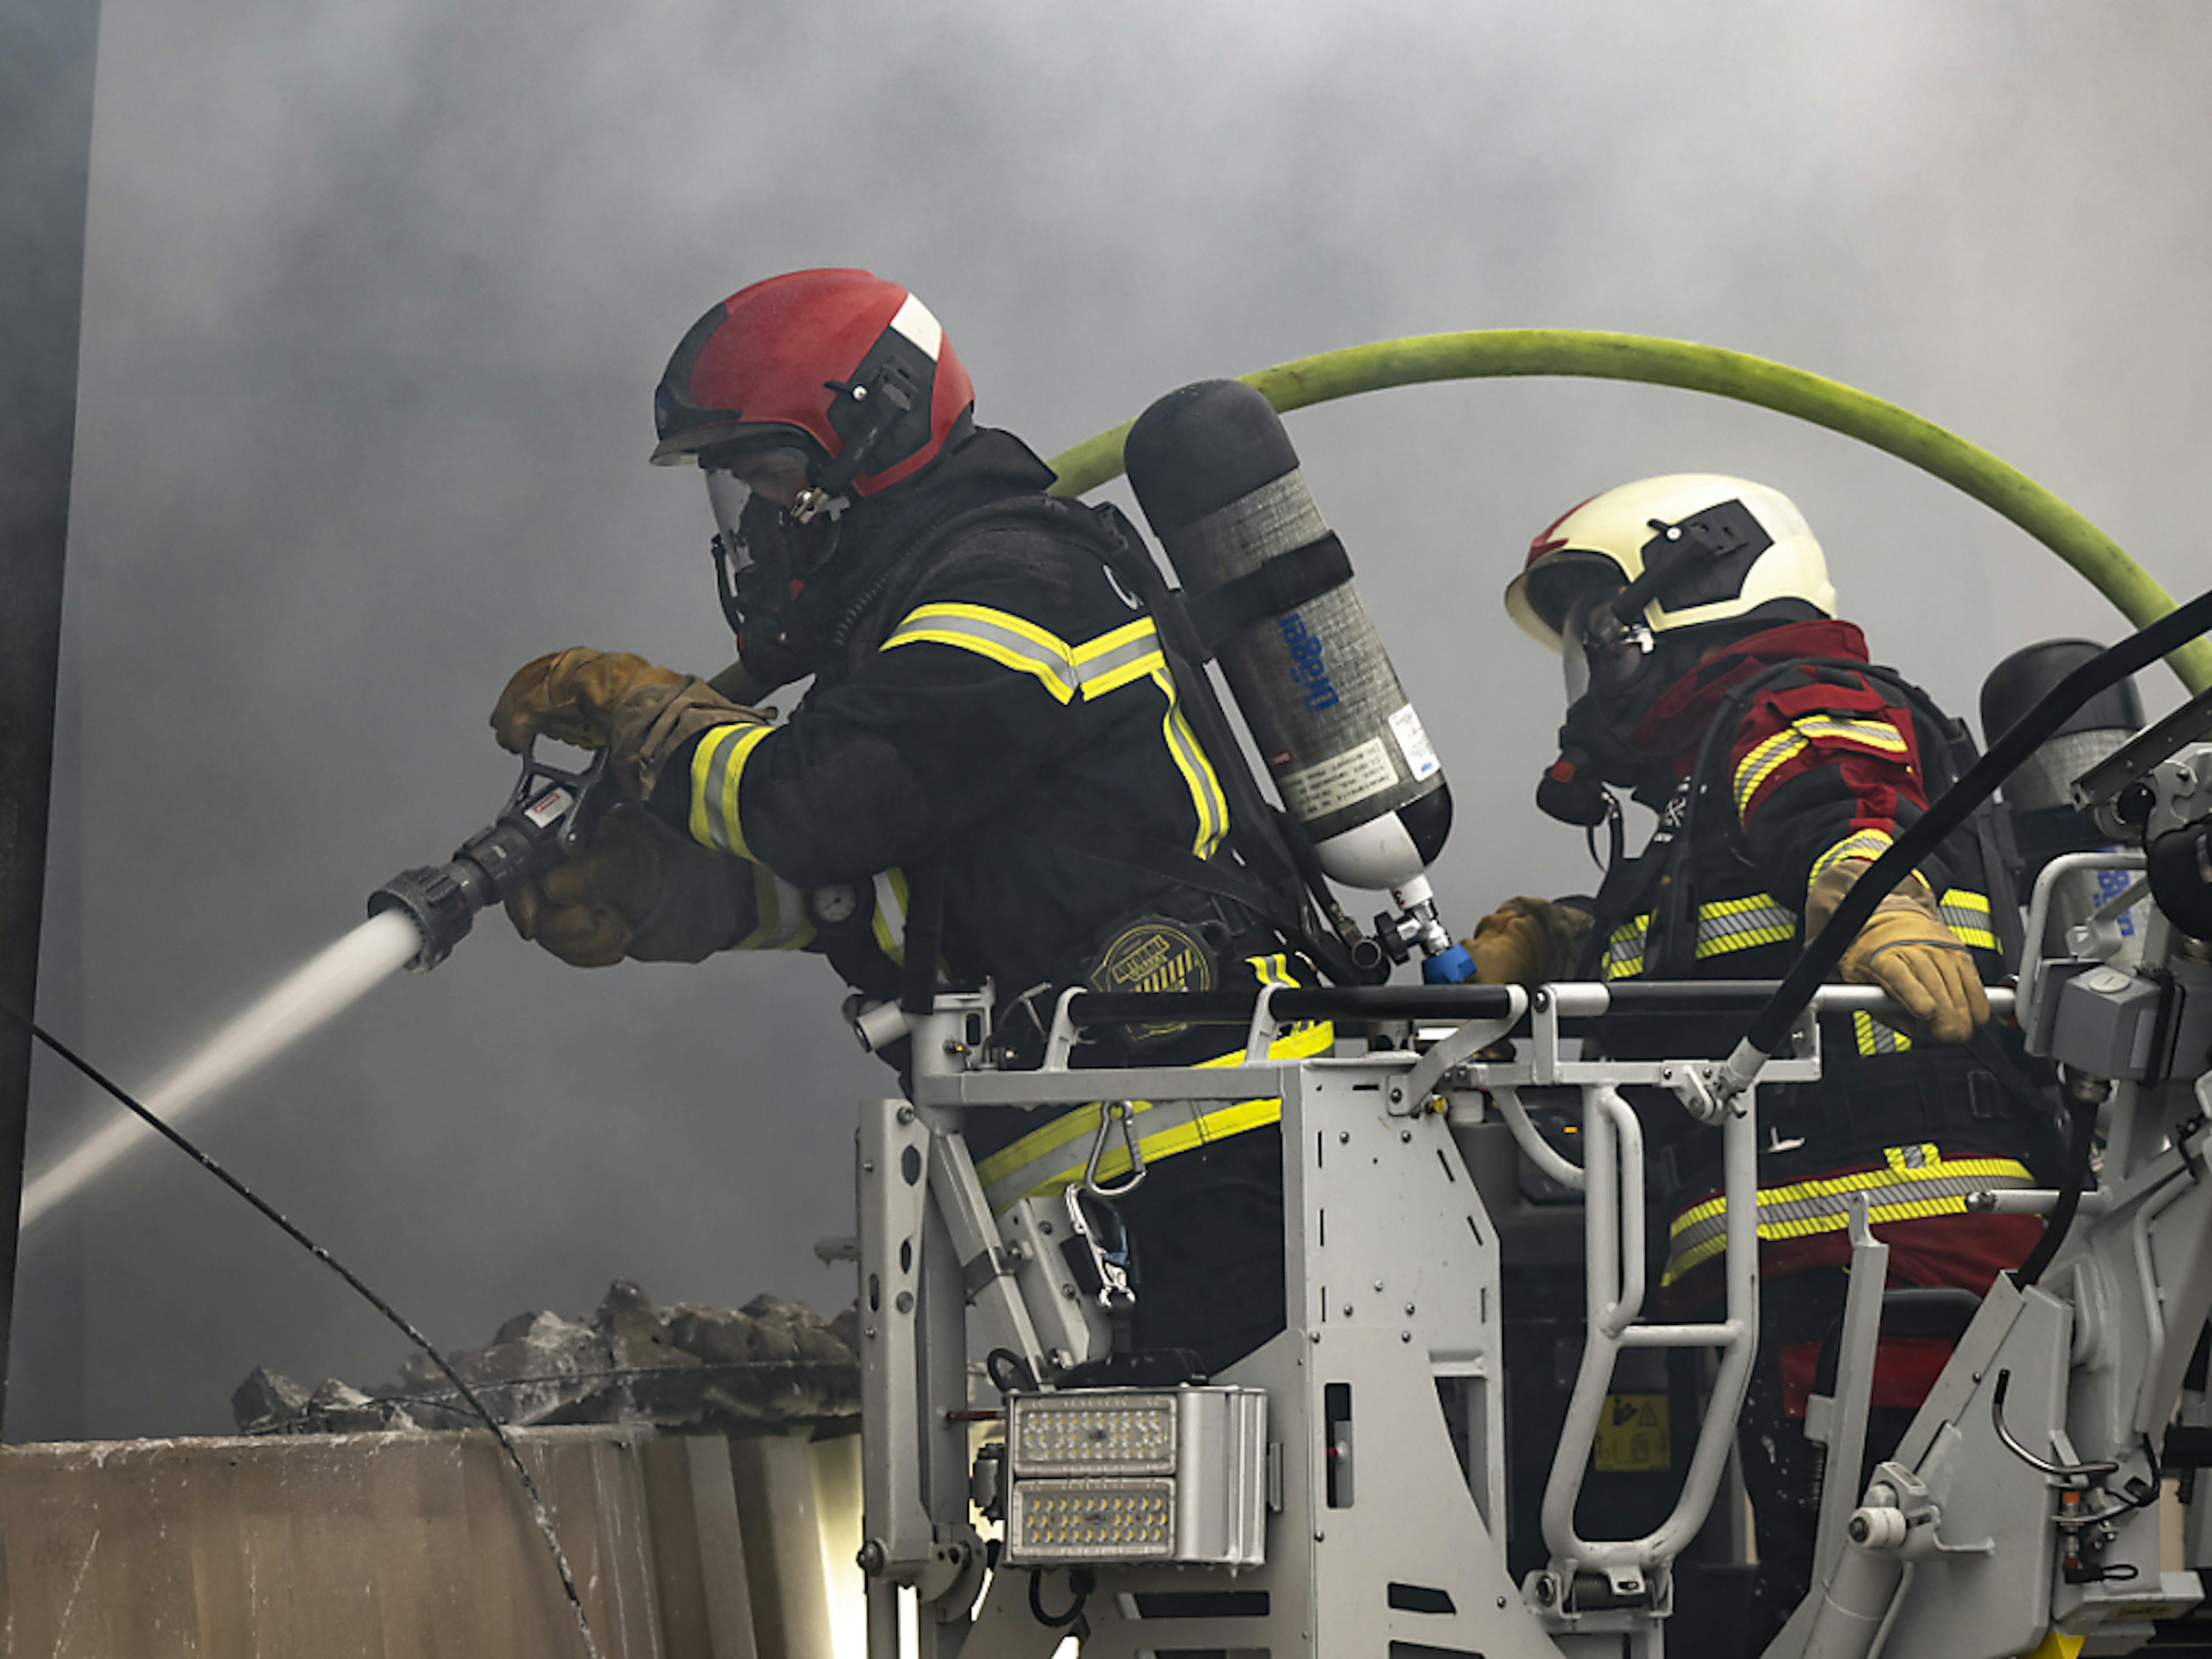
x: 768, y: 1366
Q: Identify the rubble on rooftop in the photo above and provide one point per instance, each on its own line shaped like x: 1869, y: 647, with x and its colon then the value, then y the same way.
x: 769, y: 1363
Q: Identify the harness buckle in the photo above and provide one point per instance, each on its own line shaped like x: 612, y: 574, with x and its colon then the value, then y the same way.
x: 1108, y: 1112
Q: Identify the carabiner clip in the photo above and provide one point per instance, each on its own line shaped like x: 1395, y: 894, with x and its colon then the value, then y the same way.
x: 1108, y: 1112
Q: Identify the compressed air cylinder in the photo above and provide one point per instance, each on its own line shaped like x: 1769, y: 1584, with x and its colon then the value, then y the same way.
x: 2045, y: 821
x: 1220, y: 483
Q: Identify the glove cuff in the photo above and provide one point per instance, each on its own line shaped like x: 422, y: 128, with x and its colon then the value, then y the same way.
x: 1826, y: 891
x: 704, y: 902
x: 1528, y: 941
x: 655, y: 721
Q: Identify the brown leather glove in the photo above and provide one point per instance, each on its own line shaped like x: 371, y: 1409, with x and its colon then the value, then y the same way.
x: 641, y: 890
x: 642, y: 713
x: 1526, y: 941
x: 1905, y: 948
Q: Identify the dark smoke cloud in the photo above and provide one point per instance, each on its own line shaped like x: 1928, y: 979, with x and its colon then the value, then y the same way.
x: 376, y: 295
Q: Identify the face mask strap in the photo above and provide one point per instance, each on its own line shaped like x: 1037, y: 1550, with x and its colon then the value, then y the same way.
x: 725, y: 583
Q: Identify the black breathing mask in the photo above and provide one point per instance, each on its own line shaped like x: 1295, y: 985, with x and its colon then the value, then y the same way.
x: 1614, y: 673
x: 767, y: 571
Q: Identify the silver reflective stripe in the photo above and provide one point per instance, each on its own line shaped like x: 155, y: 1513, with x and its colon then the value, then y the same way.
x: 1145, y: 644
x: 1739, y: 930
x: 718, y: 778
x: 933, y: 625
x: 889, y: 925
x: 1205, y: 793
x: 1967, y: 915
x: 1065, y: 1159
x: 1624, y: 951
x: 1810, y: 1213
x: 1875, y: 1038
x: 790, y: 914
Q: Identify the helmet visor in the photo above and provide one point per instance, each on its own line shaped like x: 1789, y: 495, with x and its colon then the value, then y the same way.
x: 727, y: 494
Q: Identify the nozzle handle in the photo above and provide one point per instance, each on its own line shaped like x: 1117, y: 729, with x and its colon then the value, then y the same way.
x: 549, y: 815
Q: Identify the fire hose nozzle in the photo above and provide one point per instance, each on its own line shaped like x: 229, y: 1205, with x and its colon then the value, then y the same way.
x: 546, y: 819
x: 442, y: 899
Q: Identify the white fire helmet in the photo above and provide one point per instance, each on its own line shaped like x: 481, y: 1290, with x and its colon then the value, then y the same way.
x: 1746, y: 545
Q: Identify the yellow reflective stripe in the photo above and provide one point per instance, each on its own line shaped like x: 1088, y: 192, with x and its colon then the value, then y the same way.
x: 1868, y: 844
x: 717, y: 765
x: 1205, y: 797
x: 1800, y: 735
x: 1180, y: 1137
x: 1112, y: 661
x: 1083, y: 1121
x: 1301, y: 1042
x: 1736, y: 907
x: 1872, y: 1037
x: 1890, y: 1192
x: 888, y: 924
x: 1123, y: 656
x: 1936, y: 1167
x: 780, y: 916
x: 1967, y: 915
x: 1624, y: 951
x: 1724, y: 925
x: 1010, y: 641
x: 1044, y: 639
x: 1130, y: 654
x: 1742, y: 924
x: 1874, y: 734
x: 1008, y: 1180
x: 1150, y: 666
x: 1760, y: 762
x: 1778, y: 932
x: 1013, y: 1172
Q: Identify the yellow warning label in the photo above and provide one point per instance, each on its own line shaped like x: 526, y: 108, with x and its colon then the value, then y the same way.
x: 1632, y: 1435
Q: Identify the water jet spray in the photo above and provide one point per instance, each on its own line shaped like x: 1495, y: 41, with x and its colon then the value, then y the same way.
x: 549, y: 815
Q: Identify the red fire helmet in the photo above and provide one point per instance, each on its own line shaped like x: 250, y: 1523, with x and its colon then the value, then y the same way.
x: 850, y: 369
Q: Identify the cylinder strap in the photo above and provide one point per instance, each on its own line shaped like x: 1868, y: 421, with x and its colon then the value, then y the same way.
x: 1281, y: 583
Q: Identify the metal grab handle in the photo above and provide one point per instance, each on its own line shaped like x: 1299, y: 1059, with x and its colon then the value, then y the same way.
x: 2041, y: 1465
x: 1108, y: 1112
x: 1533, y: 1145
x: 1408, y: 1097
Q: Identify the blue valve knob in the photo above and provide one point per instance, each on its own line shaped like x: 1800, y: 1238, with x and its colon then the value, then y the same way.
x: 1451, y: 967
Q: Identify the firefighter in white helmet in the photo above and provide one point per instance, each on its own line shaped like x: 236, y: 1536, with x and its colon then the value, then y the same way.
x: 1708, y: 675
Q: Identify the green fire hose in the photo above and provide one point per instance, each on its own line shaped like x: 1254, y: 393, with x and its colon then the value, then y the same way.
x: 1486, y: 353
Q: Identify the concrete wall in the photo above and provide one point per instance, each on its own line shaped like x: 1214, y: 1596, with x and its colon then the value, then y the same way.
x: 421, y: 1547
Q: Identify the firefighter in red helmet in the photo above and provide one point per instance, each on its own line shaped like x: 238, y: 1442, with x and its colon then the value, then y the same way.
x: 984, y: 695
x: 1709, y: 675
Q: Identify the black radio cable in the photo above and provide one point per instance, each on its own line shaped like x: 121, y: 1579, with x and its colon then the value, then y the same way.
x: 460, y: 1386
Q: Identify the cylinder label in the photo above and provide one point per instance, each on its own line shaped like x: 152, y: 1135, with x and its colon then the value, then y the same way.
x: 1315, y: 791
x: 1413, y: 742
x: 1307, y: 668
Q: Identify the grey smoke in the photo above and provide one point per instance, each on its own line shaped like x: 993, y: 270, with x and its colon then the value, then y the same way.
x: 376, y: 295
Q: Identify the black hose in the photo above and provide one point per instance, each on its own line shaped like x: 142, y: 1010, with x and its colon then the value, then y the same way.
x: 1080, y: 1580
x: 269, y: 1211
x: 2060, y: 1221
x: 1771, y: 1029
